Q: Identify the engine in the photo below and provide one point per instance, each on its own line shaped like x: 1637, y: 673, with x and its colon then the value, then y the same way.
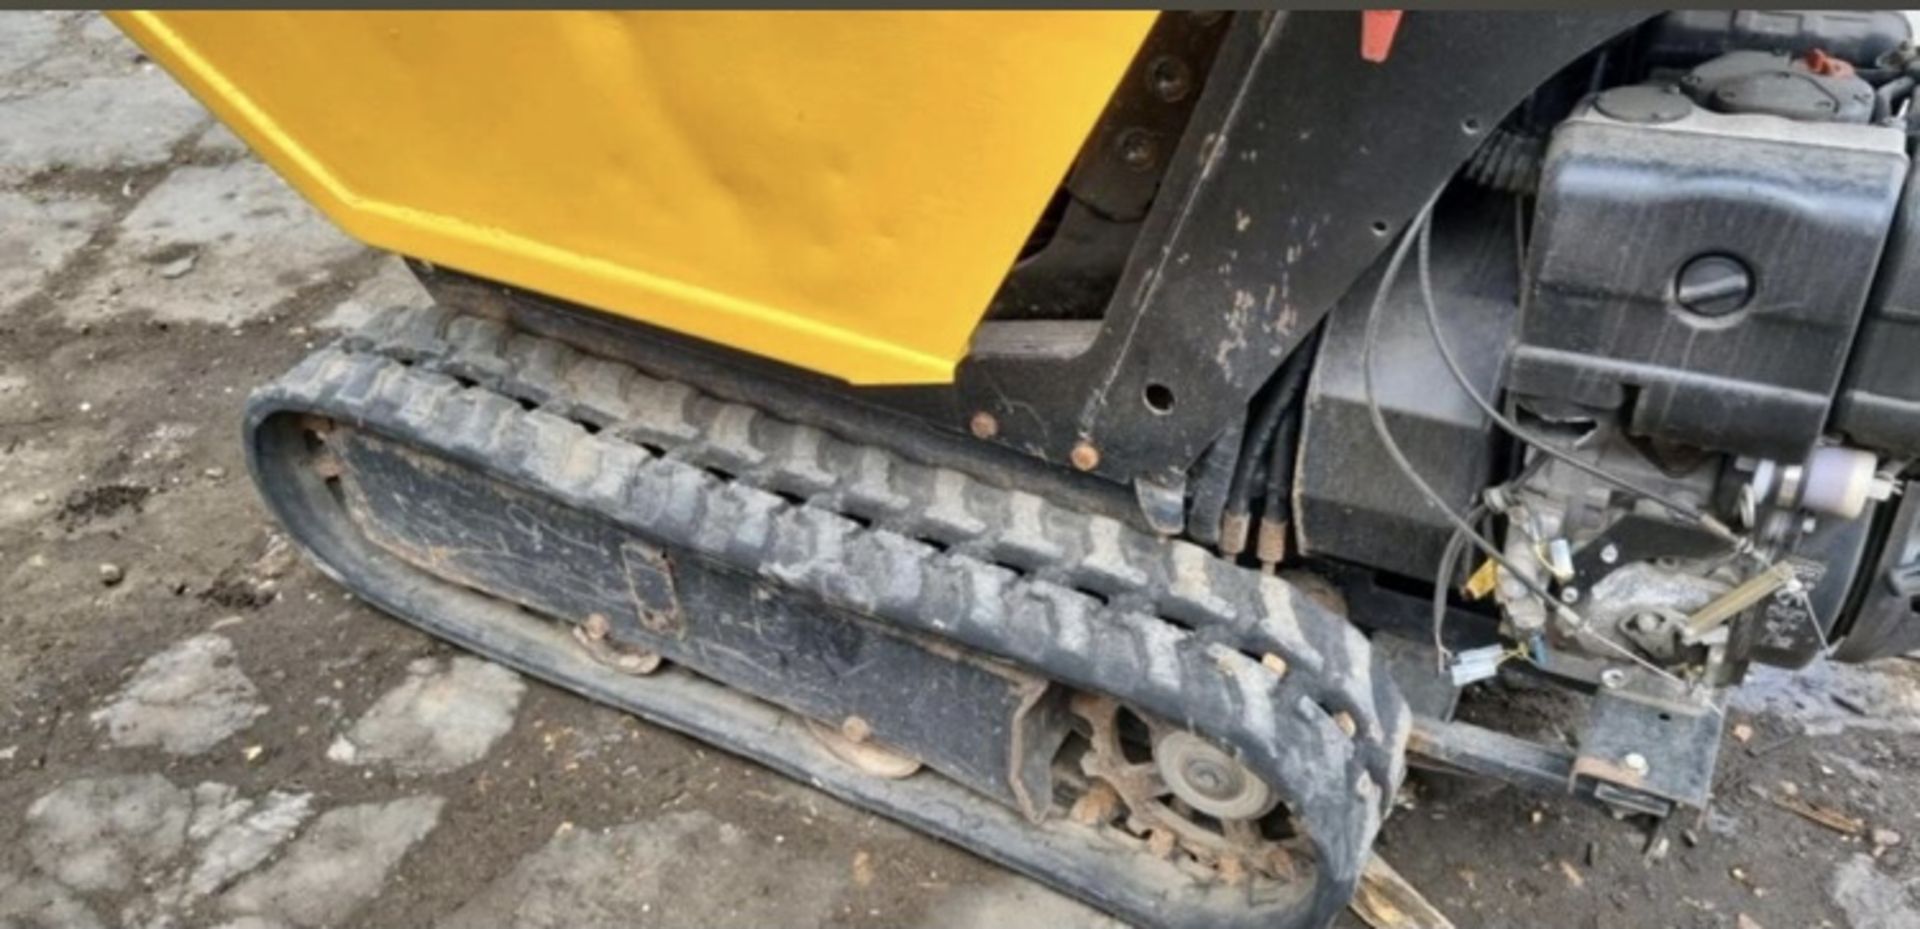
x: 1686, y: 273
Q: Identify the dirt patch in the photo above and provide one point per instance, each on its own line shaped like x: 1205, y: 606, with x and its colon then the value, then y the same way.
x: 253, y: 584
x: 99, y: 502
x: 235, y: 593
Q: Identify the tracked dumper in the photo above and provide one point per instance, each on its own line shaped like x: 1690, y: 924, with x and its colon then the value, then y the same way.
x: 1111, y: 442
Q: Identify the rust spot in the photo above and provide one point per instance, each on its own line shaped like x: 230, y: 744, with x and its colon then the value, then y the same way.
x: 649, y: 572
x: 856, y: 730
x: 1270, y: 542
x: 327, y: 466
x: 1421, y: 742
x: 1098, y: 805
x: 1231, y: 870
x: 636, y: 662
x: 622, y: 657
x: 1600, y: 769
x: 1280, y: 864
x: 1233, y: 533
x: 1160, y: 843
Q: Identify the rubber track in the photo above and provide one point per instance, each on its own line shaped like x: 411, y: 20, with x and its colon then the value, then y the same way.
x: 1274, y: 722
x: 1128, y: 569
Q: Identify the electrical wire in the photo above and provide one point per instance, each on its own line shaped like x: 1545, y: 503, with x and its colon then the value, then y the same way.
x: 1683, y: 510
x: 1443, y: 582
x: 1379, y: 420
x: 1520, y: 243
x: 1400, y: 461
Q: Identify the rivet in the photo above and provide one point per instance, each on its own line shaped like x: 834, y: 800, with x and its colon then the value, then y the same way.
x: 984, y: 426
x: 1085, y: 456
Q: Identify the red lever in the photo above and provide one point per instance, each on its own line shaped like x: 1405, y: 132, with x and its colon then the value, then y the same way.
x: 1376, y: 33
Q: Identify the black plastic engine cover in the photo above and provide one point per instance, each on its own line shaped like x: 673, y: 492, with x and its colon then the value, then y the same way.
x: 1879, y: 407
x: 1764, y: 82
x: 1350, y: 501
x: 1686, y: 37
x: 1802, y: 208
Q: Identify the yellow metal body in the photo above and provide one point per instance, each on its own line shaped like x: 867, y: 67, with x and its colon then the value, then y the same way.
x: 840, y: 191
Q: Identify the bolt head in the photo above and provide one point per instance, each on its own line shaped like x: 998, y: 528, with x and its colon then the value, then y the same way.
x: 1610, y: 554
x: 1210, y: 779
x: 1613, y: 678
x: 1170, y: 78
x: 1137, y: 149
x: 1713, y: 285
x: 1635, y: 762
x: 1085, y: 457
x: 983, y: 425
x: 1569, y: 595
x: 856, y: 730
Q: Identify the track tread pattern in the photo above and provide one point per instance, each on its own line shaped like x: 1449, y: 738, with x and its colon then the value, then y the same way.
x: 1095, y: 555
x: 1083, y: 599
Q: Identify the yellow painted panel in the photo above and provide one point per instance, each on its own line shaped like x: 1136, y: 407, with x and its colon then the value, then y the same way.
x: 840, y: 191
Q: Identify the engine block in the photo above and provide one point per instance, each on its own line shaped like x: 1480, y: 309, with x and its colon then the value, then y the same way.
x: 1703, y: 273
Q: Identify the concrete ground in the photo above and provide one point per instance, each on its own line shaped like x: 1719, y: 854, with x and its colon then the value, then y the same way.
x: 198, y: 729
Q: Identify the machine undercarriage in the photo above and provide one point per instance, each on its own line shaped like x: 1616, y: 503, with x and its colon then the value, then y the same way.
x: 1259, y: 458
x: 446, y: 462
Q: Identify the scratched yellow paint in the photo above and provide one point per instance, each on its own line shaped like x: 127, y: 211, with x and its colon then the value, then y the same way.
x: 840, y: 191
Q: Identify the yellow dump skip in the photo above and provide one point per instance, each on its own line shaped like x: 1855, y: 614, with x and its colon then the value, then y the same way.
x: 840, y: 191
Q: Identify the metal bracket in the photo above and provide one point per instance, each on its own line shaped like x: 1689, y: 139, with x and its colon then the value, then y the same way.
x: 1289, y: 182
x: 1648, y: 748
